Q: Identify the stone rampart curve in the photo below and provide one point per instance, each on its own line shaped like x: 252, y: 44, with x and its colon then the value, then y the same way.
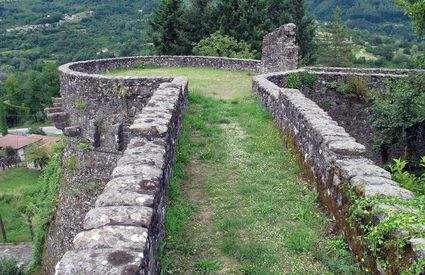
x: 330, y: 155
x: 121, y: 233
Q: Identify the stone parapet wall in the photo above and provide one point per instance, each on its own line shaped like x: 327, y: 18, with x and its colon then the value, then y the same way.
x: 100, y: 66
x: 378, y: 71
x: 121, y: 233
x: 329, y: 154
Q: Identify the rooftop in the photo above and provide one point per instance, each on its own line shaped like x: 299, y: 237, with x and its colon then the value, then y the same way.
x: 18, y: 142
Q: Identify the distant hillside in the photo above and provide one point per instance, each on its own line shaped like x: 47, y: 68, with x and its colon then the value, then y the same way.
x: 36, y: 31
x: 382, y: 16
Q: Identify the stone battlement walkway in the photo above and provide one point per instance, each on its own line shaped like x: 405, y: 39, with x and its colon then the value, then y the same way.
x: 238, y: 201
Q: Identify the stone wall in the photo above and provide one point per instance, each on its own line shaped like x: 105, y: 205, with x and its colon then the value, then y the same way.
x: 329, y: 155
x: 279, y: 50
x: 353, y: 113
x: 120, y: 234
x: 120, y: 137
x: 99, y: 66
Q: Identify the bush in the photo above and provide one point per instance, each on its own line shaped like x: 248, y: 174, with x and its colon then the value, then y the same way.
x: 408, y: 180
x: 308, y: 79
x: 399, y: 114
x: 41, y: 204
x: 293, y: 82
x: 10, y: 267
x: 10, y: 151
x: 218, y: 44
x: 357, y: 87
x: 36, y: 131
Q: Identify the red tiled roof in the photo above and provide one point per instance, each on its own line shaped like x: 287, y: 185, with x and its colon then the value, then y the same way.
x: 18, y: 142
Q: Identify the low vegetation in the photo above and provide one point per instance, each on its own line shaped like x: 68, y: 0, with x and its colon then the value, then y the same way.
x: 10, y: 267
x: 14, y: 184
x: 28, y: 198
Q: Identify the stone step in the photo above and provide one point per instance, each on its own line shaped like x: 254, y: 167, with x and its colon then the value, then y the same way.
x: 57, y: 100
x: 73, y: 131
x: 57, y: 116
x: 53, y: 110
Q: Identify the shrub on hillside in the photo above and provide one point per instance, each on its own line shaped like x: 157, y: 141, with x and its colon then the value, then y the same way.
x: 399, y: 115
x: 10, y: 267
x: 357, y: 87
x: 218, y: 44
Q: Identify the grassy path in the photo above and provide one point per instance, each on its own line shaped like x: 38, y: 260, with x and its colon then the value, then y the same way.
x: 237, y: 202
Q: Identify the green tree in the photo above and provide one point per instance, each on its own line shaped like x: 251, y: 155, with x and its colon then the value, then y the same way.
x: 199, y: 19
x: 399, y: 114
x: 223, y: 45
x: 245, y: 20
x: 169, y: 28
x: 336, y: 47
x: 3, y: 119
x: 416, y: 10
x: 306, y: 32
x: 10, y: 151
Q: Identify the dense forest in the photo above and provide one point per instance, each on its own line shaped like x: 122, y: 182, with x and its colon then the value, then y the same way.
x: 38, y: 35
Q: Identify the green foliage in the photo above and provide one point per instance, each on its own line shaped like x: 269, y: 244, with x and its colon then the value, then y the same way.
x: 34, y: 130
x: 416, y: 10
x: 336, y: 47
x: 408, y: 180
x: 293, y: 82
x: 81, y: 104
x: 332, y: 85
x: 15, y: 183
x: 3, y: 119
x: 27, y: 94
x: 72, y: 163
x: 168, y: 26
x: 84, y: 146
x: 120, y: 27
x: 357, y: 86
x: 400, y: 112
x: 40, y: 204
x: 177, y: 28
x: 305, y: 31
x: 415, y: 269
x: 10, y: 151
x: 37, y: 154
x: 223, y: 45
x: 308, y: 79
x: 10, y: 267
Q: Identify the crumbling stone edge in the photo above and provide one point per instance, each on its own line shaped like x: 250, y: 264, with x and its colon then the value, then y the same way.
x: 121, y: 233
x: 330, y: 156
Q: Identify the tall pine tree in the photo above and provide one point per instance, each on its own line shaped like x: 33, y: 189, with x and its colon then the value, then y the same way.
x: 169, y: 28
x: 199, y: 20
x: 336, y: 47
x: 306, y: 31
x: 244, y: 20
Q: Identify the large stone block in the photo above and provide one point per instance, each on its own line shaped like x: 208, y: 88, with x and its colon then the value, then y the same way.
x: 118, y: 215
x: 114, y: 237
x: 100, y: 262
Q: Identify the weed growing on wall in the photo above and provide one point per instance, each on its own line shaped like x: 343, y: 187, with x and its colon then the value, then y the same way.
x: 81, y: 104
x: 10, y: 267
x: 396, y: 215
x: 40, y: 205
x: 357, y: 87
x: 308, y: 79
x: 413, y: 182
x: 293, y: 82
